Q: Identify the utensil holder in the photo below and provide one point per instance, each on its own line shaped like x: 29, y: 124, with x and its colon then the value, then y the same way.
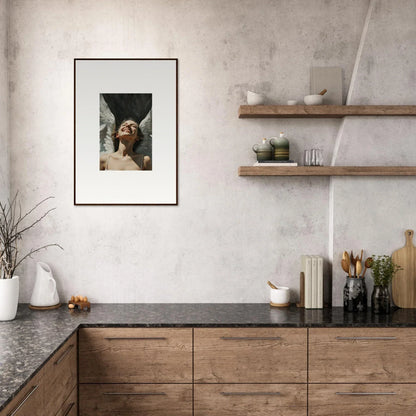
x: 355, y: 294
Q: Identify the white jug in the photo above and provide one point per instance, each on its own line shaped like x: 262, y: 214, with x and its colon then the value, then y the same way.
x: 44, y: 292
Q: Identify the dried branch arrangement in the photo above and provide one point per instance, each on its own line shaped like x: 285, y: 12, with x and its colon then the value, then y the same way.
x: 13, y: 224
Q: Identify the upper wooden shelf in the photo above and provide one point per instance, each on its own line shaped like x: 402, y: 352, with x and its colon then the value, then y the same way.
x: 327, y: 171
x: 323, y: 111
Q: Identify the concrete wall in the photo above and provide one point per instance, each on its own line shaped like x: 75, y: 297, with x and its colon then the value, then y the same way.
x: 229, y: 234
x: 4, y: 105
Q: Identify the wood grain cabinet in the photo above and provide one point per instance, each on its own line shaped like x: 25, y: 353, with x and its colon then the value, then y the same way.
x: 250, y: 371
x: 60, y: 376
x: 52, y: 389
x: 362, y: 399
x: 29, y: 401
x: 250, y: 355
x: 362, y: 355
x: 70, y: 405
x: 250, y: 399
x: 368, y: 371
x: 136, y: 399
x: 135, y: 371
x: 135, y: 355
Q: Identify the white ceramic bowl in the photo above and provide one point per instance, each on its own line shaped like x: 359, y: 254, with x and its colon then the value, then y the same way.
x: 315, y: 99
x: 291, y: 102
x: 280, y: 295
x: 254, y: 98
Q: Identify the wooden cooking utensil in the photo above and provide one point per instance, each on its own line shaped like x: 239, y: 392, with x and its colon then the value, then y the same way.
x: 271, y: 284
x: 345, y: 266
x: 359, y: 267
x: 323, y: 92
x: 404, y: 281
x: 367, y: 265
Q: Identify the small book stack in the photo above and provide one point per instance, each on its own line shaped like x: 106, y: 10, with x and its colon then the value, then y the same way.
x: 312, y: 268
x: 276, y: 163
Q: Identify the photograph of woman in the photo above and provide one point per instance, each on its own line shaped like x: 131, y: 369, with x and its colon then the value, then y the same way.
x: 125, y: 132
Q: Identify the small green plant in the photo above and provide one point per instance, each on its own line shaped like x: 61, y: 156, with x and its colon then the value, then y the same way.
x: 383, y: 270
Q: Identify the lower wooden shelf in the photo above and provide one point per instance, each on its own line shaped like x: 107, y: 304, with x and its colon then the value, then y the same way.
x: 327, y: 171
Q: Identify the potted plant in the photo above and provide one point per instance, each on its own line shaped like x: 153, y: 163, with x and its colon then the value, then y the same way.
x: 13, y: 225
x: 383, y: 270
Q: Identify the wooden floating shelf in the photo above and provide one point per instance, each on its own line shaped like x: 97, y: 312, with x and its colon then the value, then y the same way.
x: 323, y: 111
x: 327, y: 171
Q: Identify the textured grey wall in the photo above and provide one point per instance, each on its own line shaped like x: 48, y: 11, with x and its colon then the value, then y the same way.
x: 4, y: 107
x: 229, y: 234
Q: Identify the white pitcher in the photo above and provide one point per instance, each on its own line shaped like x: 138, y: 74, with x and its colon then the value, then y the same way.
x: 44, y: 292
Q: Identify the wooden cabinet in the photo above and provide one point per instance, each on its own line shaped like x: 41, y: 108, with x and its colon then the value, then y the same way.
x: 362, y: 355
x: 60, y: 376
x: 135, y: 355
x: 29, y: 401
x: 133, y: 362
x: 250, y: 399
x: 136, y: 399
x: 250, y: 355
x: 70, y: 405
x: 362, y: 399
x: 242, y: 371
x: 48, y: 392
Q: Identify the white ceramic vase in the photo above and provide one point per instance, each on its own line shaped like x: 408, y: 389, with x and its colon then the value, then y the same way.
x: 9, y: 297
x: 44, y: 292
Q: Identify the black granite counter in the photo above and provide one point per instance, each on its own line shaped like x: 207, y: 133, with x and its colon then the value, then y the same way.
x: 32, y: 338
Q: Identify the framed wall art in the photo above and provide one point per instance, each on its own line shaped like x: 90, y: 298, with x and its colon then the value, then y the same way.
x: 126, y: 131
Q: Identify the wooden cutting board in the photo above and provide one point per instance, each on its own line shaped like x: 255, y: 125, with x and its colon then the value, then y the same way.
x: 404, y: 281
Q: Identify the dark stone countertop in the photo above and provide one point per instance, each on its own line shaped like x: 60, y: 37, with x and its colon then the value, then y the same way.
x: 32, y: 338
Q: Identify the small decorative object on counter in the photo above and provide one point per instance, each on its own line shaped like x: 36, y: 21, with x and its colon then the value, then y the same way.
x: 263, y: 150
x: 383, y: 270
x: 79, y: 302
x: 279, y: 296
x: 280, y: 147
x: 355, y: 290
x: 291, y: 102
x: 355, y: 294
x: 44, y: 295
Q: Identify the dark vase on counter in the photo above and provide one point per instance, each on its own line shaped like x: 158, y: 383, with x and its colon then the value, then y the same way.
x: 380, y: 300
x: 355, y: 294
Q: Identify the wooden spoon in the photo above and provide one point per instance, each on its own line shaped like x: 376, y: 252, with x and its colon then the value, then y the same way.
x: 345, y: 266
x: 368, y: 263
x: 271, y: 284
x: 323, y: 92
x: 359, y: 267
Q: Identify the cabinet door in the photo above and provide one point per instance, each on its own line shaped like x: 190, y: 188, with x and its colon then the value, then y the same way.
x: 60, y: 376
x: 70, y: 406
x: 362, y: 399
x: 29, y: 401
x: 135, y: 399
x: 362, y: 355
x: 250, y: 355
x: 250, y: 399
x: 135, y: 355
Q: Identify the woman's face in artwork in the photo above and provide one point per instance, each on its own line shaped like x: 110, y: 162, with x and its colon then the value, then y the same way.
x: 128, y: 130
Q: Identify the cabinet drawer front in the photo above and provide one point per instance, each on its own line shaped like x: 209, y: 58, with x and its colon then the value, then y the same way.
x: 250, y: 355
x: 362, y: 399
x: 29, y: 401
x: 60, y: 376
x: 250, y: 399
x: 362, y: 355
x: 134, y: 399
x: 70, y: 406
x: 135, y: 355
